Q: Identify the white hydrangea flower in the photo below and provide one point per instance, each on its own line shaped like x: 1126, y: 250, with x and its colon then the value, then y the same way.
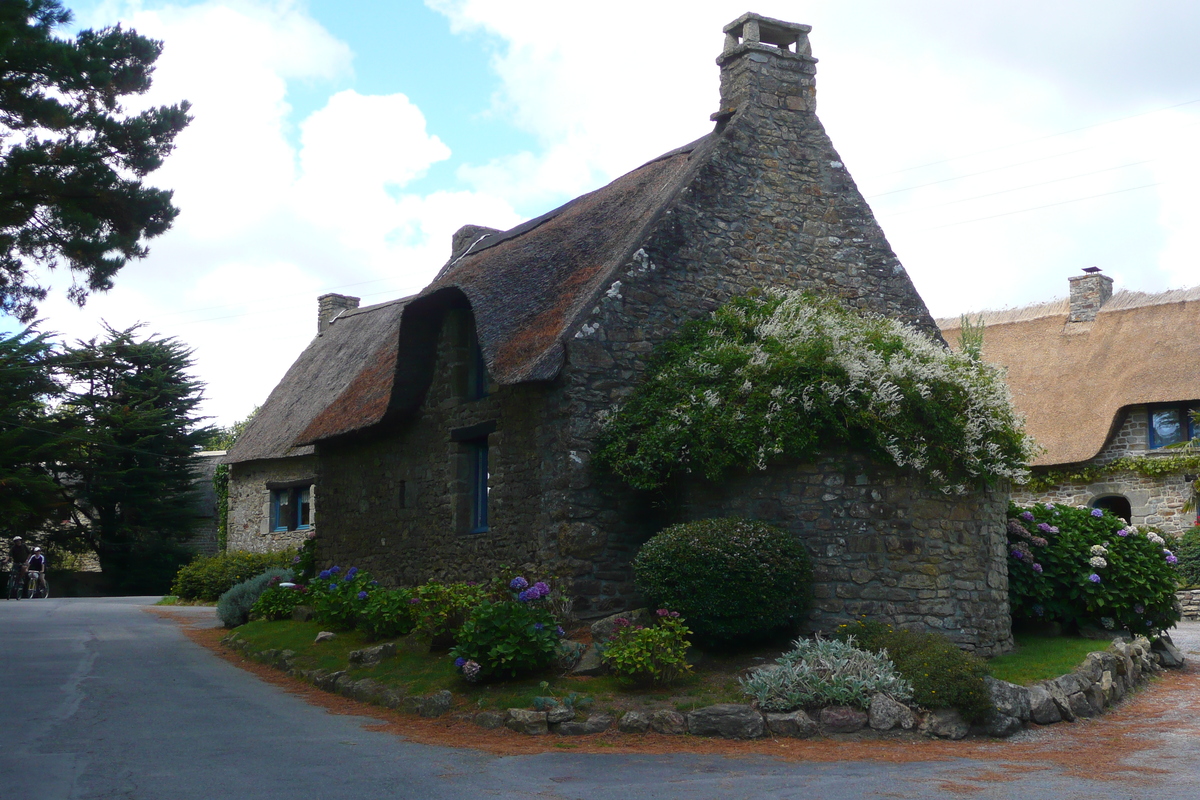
x: 1099, y: 550
x: 1098, y: 562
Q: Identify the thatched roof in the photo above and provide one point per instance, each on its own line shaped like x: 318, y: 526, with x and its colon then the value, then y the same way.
x: 1072, y: 380
x: 327, y: 375
x: 526, y: 288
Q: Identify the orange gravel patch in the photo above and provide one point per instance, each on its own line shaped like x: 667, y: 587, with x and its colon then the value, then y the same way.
x: 1132, y: 742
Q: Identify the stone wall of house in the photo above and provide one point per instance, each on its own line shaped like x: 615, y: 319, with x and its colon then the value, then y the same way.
x: 883, y: 545
x: 1155, y: 501
x: 397, y: 504
x: 250, y: 486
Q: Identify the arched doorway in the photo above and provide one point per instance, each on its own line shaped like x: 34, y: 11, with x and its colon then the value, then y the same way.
x: 1115, y: 504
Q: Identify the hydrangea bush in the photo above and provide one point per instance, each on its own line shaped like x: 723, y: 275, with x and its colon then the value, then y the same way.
x: 732, y: 579
x: 278, y: 601
x: 654, y: 655
x: 1085, y: 566
x: 787, y: 375
x: 823, y: 672
x: 508, y: 638
x: 339, y: 596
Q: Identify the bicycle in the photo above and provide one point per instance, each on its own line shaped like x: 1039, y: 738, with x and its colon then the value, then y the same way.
x: 33, y: 587
x: 13, y: 592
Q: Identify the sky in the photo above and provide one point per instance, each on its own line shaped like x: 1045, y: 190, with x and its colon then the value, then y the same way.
x: 337, y: 145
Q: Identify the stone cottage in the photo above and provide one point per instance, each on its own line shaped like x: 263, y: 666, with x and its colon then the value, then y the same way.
x: 272, y: 496
x: 1107, y: 383
x: 462, y: 439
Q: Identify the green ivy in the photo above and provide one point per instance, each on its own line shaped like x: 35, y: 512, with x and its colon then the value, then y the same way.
x: 1146, y: 466
x: 787, y: 376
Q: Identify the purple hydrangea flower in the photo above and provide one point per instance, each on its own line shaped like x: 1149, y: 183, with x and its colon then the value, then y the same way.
x: 350, y: 573
x: 295, y: 559
x: 1123, y: 532
x: 458, y: 662
x: 525, y: 596
x: 1044, y: 527
x: 334, y: 570
x: 1138, y: 608
x: 541, y: 588
x: 1172, y: 559
x: 558, y: 629
x: 1037, y: 568
x: 518, y: 583
x: 1049, y: 506
x: 1096, y: 512
x: 538, y: 626
x: 1027, y: 516
x: 333, y: 587
x: 414, y: 600
x: 362, y: 595
x: 1094, y: 578
x: 324, y: 575
x: 1017, y: 555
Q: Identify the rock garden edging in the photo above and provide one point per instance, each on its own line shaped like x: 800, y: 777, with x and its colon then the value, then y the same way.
x: 1101, y: 680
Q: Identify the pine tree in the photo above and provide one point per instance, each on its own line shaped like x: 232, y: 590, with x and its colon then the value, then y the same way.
x: 71, y: 159
x: 127, y: 459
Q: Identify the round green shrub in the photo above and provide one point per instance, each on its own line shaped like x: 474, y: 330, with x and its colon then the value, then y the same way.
x: 233, y: 607
x: 388, y: 613
x: 942, y: 675
x: 1188, y: 551
x: 277, y: 602
x: 732, y: 579
x: 1084, y: 566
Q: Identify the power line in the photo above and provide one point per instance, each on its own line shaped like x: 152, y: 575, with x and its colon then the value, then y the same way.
x: 1048, y: 205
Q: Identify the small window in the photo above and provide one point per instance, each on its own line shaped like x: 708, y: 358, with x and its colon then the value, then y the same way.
x: 1169, y: 425
x: 477, y: 484
x: 291, y: 508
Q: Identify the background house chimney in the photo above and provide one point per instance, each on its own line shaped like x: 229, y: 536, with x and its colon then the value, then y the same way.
x: 330, y: 305
x: 766, y: 64
x: 1088, y: 293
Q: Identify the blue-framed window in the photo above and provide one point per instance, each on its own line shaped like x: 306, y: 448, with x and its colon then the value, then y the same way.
x: 1170, y: 424
x: 477, y: 484
x: 291, y: 508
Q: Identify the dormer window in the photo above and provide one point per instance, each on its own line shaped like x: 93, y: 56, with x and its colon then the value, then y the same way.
x: 1170, y: 424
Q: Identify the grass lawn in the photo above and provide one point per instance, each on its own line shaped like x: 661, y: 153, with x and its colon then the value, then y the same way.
x: 714, y: 679
x: 1040, y: 657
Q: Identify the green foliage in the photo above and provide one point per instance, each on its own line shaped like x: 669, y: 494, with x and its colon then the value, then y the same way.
x: 126, y: 453
x: 507, y: 639
x: 444, y: 607
x: 233, y: 607
x: 825, y: 672
x: 73, y: 161
x: 224, y: 439
x: 654, y: 655
x: 970, y: 336
x: 1079, y: 565
x: 338, y: 598
x: 942, y: 675
x: 787, y: 376
x: 29, y: 496
x: 388, y: 613
x: 1154, y: 466
x: 306, y: 559
x: 1187, y: 550
x: 208, y: 577
x: 732, y: 579
x: 278, y: 602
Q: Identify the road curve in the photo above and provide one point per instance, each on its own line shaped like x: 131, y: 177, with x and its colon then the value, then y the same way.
x: 103, y: 700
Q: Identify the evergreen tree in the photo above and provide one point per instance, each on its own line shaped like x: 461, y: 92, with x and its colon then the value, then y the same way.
x: 127, y: 459
x: 29, y: 496
x: 71, y: 159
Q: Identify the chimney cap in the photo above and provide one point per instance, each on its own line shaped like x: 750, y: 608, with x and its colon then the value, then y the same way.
x: 770, y: 31
x: 1091, y: 270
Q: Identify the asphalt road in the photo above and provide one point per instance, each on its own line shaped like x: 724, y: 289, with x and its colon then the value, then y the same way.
x: 103, y: 700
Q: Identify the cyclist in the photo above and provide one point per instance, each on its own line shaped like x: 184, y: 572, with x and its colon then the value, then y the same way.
x: 19, y: 553
x: 37, y: 563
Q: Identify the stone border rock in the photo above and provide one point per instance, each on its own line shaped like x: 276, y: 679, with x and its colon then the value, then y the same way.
x: 1189, y: 603
x: 1101, y: 680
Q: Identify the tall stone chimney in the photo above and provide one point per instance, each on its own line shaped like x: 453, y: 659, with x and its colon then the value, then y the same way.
x: 767, y: 64
x: 1088, y: 292
x: 330, y: 305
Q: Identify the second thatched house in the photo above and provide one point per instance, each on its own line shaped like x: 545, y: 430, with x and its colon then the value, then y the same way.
x: 1108, y: 384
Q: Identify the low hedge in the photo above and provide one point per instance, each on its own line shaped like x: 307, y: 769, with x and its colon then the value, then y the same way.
x: 208, y: 577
